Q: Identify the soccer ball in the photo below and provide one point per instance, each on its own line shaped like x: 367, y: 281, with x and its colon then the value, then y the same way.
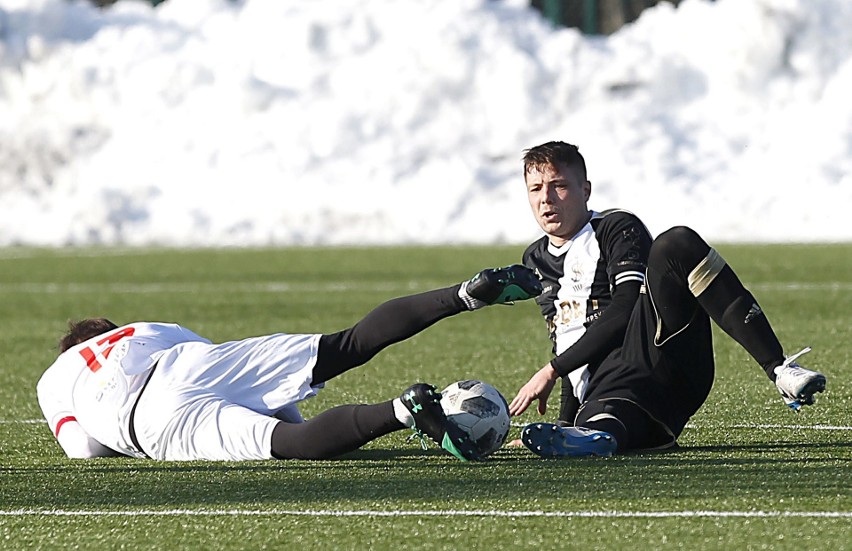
x: 480, y: 410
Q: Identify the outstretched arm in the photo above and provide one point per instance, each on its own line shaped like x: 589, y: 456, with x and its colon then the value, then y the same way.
x: 538, y: 388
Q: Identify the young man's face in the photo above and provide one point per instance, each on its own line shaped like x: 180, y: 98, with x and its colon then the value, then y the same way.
x: 558, y: 196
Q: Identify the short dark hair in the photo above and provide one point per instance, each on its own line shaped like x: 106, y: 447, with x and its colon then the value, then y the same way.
x: 554, y: 153
x: 83, y: 330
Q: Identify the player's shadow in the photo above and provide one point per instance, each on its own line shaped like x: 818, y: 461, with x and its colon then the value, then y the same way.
x: 365, y: 478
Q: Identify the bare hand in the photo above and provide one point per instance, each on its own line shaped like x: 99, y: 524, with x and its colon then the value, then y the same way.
x: 537, y: 388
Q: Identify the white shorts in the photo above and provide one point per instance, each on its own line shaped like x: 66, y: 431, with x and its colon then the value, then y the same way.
x: 216, y: 401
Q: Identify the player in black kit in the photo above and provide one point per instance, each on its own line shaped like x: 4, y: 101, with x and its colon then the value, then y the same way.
x: 630, y: 321
x: 591, y: 283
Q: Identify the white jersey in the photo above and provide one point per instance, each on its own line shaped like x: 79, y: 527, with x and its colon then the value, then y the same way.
x: 96, y: 382
x: 193, y: 399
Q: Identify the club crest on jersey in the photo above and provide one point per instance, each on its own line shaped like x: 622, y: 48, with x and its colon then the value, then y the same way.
x: 576, y: 272
x: 112, y: 389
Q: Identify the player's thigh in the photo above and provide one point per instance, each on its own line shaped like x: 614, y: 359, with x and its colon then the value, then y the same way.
x: 685, y: 364
x: 193, y: 423
x: 264, y: 373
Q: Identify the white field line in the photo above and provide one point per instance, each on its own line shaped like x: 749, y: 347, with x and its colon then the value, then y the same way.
x: 225, y: 287
x: 307, y: 287
x: 802, y: 286
x: 425, y: 513
x: 797, y: 427
x: 694, y: 427
x: 754, y: 426
x: 14, y: 253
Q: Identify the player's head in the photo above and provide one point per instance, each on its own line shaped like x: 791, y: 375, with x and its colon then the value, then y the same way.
x: 83, y: 330
x: 554, y: 154
x: 558, y: 189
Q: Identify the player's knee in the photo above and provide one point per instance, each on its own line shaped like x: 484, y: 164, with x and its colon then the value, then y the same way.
x: 678, y: 245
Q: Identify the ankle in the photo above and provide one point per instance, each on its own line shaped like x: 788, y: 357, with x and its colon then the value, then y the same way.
x: 402, y: 414
x: 470, y: 302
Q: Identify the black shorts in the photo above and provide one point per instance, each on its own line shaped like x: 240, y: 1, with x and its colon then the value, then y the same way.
x: 665, y: 366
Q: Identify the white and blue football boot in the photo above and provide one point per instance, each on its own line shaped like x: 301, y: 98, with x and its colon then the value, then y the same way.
x: 549, y: 440
x: 796, y: 384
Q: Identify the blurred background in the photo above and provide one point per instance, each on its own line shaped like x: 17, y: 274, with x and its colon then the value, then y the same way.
x: 196, y: 123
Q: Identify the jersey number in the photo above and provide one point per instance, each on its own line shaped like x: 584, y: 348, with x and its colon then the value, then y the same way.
x: 104, y: 347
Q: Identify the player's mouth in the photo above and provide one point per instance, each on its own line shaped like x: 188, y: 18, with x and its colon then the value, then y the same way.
x: 550, y: 216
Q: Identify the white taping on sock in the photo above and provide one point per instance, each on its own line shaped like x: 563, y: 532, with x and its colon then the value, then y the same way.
x: 402, y: 414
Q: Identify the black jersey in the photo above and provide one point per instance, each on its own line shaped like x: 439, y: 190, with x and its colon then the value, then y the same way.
x: 579, y: 280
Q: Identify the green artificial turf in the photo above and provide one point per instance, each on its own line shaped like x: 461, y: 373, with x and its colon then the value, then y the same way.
x: 750, y: 474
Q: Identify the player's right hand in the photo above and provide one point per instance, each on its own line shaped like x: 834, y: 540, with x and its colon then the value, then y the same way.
x: 538, y: 388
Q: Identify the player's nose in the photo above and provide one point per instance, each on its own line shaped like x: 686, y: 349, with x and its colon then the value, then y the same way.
x: 549, y: 194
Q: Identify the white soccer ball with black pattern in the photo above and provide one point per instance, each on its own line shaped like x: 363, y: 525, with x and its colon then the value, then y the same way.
x: 480, y: 410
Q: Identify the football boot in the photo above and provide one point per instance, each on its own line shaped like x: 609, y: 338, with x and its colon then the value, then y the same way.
x: 500, y: 286
x: 796, y: 384
x: 549, y: 440
x: 424, y: 403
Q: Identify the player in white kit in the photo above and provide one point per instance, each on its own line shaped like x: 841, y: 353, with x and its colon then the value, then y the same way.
x: 159, y: 390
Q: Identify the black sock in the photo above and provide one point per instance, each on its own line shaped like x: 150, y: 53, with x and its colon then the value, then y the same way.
x: 334, y: 432
x: 389, y: 323
x: 569, y: 403
x: 615, y: 428
x: 737, y: 312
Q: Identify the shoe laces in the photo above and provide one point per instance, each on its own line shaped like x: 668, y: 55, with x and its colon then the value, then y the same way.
x: 791, y: 360
x: 419, y: 435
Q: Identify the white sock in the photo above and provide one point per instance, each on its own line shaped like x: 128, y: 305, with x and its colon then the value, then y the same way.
x: 469, y: 301
x: 402, y: 414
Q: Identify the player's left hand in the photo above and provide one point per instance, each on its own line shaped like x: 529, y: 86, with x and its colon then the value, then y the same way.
x: 538, y: 388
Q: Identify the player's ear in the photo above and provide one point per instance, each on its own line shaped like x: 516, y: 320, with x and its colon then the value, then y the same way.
x: 587, y: 189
